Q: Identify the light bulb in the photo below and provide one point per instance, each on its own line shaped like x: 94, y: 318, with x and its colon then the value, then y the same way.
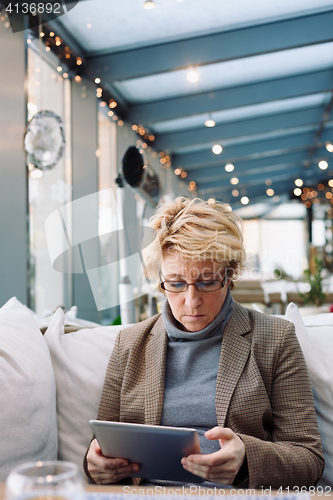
x: 209, y: 123
x: 217, y: 149
x: 149, y: 4
x: 323, y: 165
x: 244, y: 200
x: 193, y: 76
x: 229, y: 167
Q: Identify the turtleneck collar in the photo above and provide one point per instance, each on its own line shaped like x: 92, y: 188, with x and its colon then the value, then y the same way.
x: 217, y: 325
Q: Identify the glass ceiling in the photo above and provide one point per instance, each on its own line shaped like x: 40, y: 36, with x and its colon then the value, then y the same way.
x: 171, y: 19
x: 229, y: 73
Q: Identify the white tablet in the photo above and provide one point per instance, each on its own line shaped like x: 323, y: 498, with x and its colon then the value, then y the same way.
x: 158, y: 449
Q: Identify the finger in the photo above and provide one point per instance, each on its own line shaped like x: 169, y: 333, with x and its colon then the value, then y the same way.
x: 217, y: 474
x: 112, y: 475
x: 223, y: 433
x: 213, y: 459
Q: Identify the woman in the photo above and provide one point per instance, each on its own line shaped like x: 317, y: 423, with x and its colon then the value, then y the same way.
x: 237, y: 376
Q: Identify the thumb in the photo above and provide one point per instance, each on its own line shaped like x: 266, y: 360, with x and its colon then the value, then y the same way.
x: 221, y: 433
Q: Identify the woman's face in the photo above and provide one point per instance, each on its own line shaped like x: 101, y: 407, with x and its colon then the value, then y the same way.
x: 193, y: 309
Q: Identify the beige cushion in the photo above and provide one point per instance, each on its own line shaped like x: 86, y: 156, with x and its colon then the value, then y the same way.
x: 28, y: 429
x: 79, y: 360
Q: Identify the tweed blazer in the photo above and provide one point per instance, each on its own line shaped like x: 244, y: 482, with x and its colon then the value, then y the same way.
x: 263, y: 393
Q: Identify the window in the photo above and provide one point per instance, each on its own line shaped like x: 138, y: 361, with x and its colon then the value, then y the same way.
x: 48, y: 189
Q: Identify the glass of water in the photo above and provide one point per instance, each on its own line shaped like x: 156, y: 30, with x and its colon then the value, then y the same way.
x: 53, y: 480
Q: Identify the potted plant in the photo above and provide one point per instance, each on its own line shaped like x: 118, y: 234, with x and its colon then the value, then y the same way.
x: 315, y: 296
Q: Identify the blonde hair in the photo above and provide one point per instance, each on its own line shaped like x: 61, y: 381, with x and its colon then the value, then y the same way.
x: 198, y: 230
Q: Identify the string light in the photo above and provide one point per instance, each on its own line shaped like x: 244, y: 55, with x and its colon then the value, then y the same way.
x: 299, y: 182
x: 97, y: 80
x: 323, y: 165
x: 234, y: 181
x: 36, y: 174
x: 235, y: 192
x: 270, y: 192
x: 329, y: 147
x: 244, y: 200
x: 297, y: 191
x: 268, y: 182
x: 229, y: 167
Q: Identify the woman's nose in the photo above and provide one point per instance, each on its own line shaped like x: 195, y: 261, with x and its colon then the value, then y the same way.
x: 192, y: 297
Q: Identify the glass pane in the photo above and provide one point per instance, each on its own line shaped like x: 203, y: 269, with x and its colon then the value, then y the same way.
x: 48, y: 189
x: 107, y: 217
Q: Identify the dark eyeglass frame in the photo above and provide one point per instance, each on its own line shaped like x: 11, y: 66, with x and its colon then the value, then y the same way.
x: 162, y: 285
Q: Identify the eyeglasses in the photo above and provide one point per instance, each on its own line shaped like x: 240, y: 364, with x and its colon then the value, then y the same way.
x: 201, y: 286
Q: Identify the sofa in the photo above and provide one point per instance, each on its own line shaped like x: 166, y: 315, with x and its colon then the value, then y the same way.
x: 52, y: 383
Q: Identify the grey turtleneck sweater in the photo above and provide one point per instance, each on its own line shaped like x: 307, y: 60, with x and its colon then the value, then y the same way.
x: 191, y: 372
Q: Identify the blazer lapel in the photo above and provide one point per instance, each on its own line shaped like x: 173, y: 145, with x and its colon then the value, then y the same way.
x: 155, y: 362
x: 235, y: 351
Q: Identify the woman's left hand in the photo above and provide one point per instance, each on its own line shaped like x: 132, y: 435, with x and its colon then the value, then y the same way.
x: 223, y: 465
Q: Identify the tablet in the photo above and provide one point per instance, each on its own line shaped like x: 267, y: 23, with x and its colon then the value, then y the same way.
x: 158, y: 449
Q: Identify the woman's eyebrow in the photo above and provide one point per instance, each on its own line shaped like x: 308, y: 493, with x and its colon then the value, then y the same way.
x: 182, y: 277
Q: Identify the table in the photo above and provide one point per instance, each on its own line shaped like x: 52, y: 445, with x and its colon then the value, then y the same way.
x: 141, y: 491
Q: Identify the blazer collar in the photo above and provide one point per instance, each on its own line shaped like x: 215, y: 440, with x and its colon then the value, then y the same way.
x: 235, y: 351
x: 156, y: 351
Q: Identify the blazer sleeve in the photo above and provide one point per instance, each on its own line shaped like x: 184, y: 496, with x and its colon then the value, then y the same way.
x: 109, y: 407
x: 294, y: 456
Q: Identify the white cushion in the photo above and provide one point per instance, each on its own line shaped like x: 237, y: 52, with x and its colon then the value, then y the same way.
x: 28, y: 429
x: 79, y: 360
x: 316, y: 340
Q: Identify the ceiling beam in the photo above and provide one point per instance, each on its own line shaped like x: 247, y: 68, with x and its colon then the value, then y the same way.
x: 218, y: 47
x: 239, y: 128
x: 244, y: 95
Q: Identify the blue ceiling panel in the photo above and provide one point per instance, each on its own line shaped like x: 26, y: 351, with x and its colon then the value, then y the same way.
x: 240, y: 128
x: 282, y: 88
x: 246, y: 42
x: 252, y: 150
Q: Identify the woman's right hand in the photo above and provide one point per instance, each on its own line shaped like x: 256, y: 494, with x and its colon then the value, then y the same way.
x: 108, y: 470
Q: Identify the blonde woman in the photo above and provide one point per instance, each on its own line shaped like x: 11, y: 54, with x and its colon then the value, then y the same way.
x: 237, y: 376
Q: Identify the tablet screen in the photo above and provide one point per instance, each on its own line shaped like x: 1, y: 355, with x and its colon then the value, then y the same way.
x: 158, y: 449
